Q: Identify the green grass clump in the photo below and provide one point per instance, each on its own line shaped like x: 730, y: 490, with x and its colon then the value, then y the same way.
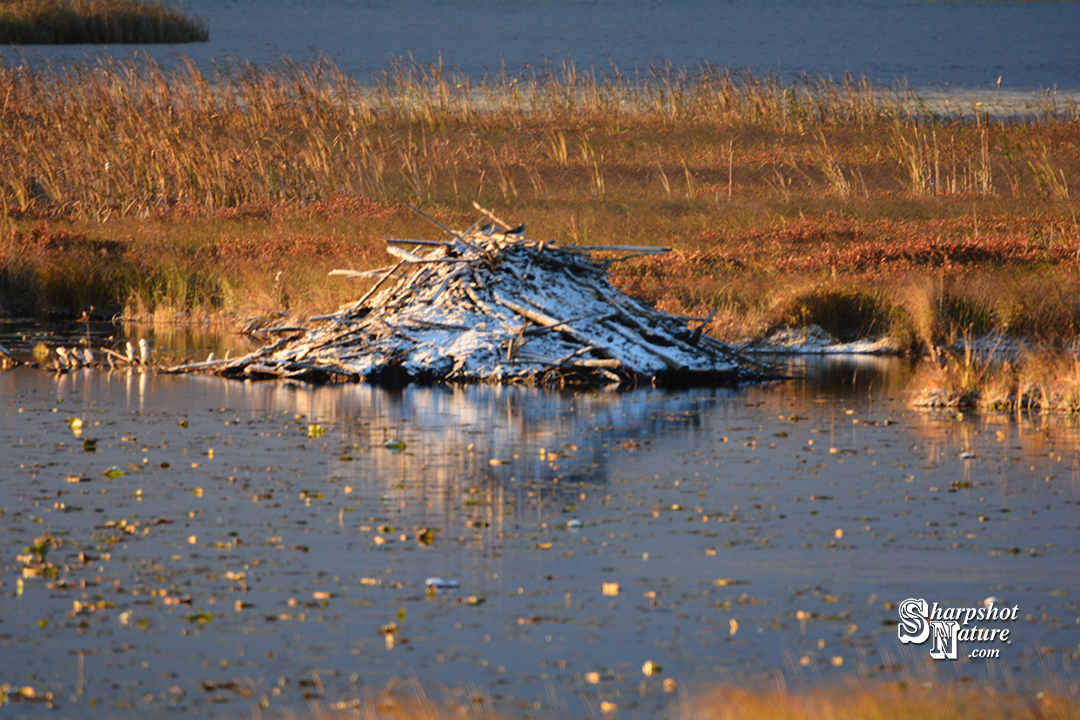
x: 66, y: 22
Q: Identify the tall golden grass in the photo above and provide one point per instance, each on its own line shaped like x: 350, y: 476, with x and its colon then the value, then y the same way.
x: 896, y: 702
x: 97, y: 139
x: 1041, y: 380
x: 65, y: 22
x: 856, y: 701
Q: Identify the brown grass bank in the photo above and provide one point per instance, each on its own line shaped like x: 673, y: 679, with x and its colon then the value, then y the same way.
x: 880, y: 703
x: 182, y: 192
x: 66, y: 22
x: 860, y: 701
x: 1039, y: 379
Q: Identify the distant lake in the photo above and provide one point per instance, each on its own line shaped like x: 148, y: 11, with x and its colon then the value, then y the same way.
x: 944, y: 45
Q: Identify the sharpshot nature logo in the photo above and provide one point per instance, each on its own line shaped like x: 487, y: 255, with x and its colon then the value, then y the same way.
x: 948, y: 626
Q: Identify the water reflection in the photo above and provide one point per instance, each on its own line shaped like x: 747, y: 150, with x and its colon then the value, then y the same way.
x: 170, y: 343
x: 297, y: 517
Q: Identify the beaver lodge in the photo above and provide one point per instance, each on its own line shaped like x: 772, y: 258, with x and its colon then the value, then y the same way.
x: 491, y: 305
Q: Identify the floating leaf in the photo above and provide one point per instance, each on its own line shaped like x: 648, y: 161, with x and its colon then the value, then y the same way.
x: 314, y: 431
x: 438, y: 583
x: 199, y: 616
x: 113, y: 472
x: 395, y: 446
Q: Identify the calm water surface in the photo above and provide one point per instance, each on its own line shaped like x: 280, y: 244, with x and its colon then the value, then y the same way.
x: 755, y: 533
x: 1030, y: 45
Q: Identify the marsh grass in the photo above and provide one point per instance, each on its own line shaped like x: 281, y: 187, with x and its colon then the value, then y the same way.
x: 65, y: 22
x: 854, y: 700
x: 1036, y: 379
x: 188, y: 190
x: 888, y: 702
x: 226, y: 267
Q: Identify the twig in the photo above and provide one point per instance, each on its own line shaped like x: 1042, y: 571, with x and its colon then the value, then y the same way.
x: 432, y: 220
x: 404, y: 254
x: 356, y: 274
x: 492, y: 216
x: 377, y: 285
x: 399, y: 241
x: 636, y: 249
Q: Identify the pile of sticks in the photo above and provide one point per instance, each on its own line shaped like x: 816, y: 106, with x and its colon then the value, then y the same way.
x: 489, y: 304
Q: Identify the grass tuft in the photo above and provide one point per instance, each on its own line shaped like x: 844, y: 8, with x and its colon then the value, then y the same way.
x: 1038, y: 379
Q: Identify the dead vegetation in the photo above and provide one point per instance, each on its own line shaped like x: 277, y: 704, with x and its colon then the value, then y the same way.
x: 67, y: 22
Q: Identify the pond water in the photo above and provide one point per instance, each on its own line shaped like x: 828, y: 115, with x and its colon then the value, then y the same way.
x: 1029, y: 45
x: 270, y: 543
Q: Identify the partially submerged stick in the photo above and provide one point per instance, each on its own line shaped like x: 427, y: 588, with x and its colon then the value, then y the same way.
x: 5, y: 353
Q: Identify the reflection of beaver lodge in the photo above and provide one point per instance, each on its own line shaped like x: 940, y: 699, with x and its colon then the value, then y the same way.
x: 492, y: 305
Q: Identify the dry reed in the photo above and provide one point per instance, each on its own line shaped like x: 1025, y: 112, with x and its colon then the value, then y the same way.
x: 889, y: 702
x: 854, y: 700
